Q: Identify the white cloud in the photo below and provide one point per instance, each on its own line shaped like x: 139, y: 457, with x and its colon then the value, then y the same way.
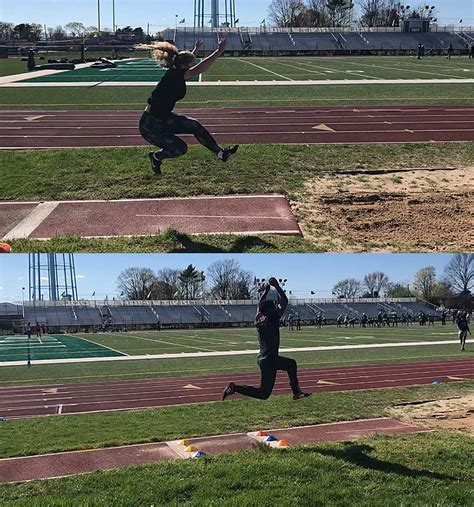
x: 80, y: 276
x: 20, y: 278
x: 1, y: 288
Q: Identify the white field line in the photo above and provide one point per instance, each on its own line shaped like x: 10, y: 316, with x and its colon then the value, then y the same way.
x: 402, y: 69
x: 265, y: 69
x: 230, y: 353
x: 337, y: 71
x: 167, y: 343
x: 100, y: 345
x: 289, y: 82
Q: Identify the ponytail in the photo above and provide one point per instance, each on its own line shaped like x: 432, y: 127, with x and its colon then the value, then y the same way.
x: 164, y: 52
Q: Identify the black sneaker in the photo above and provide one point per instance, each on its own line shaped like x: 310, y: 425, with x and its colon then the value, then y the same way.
x: 228, y: 391
x: 155, y: 163
x: 227, y: 152
x: 301, y: 395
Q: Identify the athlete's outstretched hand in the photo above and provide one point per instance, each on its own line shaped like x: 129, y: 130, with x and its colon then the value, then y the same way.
x: 222, y: 43
x: 199, y: 45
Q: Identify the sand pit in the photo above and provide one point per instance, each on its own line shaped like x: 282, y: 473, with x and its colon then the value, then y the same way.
x: 451, y: 413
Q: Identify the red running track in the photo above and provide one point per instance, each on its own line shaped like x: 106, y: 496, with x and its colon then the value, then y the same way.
x: 55, y: 399
x: 253, y: 125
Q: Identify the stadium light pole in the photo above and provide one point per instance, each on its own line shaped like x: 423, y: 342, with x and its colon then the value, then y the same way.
x: 113, y: 17
x: 98, y: 17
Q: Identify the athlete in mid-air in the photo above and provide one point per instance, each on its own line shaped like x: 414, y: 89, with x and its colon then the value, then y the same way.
x: 159, y: 125
x: 267, y: 322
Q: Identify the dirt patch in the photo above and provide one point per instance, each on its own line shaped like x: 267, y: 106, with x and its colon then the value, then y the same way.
x: 451, y: 413
x: 431, y: 211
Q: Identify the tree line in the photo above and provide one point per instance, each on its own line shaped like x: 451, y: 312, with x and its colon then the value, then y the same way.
x: 33, y: 32
x: 336, y: 13
x: 223, y: 279
x: 457, y: 281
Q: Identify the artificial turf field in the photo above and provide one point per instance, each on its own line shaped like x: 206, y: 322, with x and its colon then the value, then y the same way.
x: 281, y: 68
x: 136, y: 343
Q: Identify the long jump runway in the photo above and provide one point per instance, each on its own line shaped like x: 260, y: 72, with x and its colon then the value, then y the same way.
x: 259, y: 125
x: 61, y: 399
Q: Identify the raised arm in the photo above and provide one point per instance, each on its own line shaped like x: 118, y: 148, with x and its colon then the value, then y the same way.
x: 264, y: 294
x: 199, y: 45
x: 207, y: 63
x: 282, y: 299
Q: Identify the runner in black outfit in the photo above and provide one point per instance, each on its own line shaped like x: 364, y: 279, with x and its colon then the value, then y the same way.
x: 159, y: 125
x: 268, y: 326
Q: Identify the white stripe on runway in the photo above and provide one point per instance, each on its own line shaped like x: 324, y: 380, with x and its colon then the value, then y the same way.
x: 32, y: 221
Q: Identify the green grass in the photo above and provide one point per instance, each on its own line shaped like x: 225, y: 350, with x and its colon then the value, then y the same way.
x: 12, y: 66
x: 226, y: 96
x: 209, y: 340
x: 156, y: 368
x: 426, y: 469
x: 171, y: 241
x: 116, y: 173
x: 84, y: 431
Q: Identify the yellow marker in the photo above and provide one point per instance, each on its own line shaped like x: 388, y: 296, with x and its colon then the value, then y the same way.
x: 185, y: 441
x: 191, y: 448
x: 323, y: 127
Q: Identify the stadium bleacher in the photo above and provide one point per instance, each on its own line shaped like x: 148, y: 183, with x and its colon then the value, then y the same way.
x: 288, y: 41
x: 107, y: 315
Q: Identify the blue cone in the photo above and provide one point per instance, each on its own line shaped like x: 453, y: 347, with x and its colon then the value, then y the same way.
x: 436, y: 382
x: 199, y: 454
x: 3, y: 418
x: 270, y: 438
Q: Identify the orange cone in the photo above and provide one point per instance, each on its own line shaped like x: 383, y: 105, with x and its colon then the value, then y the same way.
x: 5, y: 248
x: 261, y: 433
x: 283, y: 443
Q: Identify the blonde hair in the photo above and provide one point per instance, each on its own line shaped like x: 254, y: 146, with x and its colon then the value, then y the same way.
x: 168, y: 54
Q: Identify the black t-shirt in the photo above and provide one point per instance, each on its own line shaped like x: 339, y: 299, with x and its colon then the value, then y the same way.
x: 169, y: 90
x: 268, y: 335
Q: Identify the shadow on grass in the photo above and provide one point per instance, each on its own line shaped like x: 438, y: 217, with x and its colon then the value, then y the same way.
x: 358, y: 454
x: 234, y: 244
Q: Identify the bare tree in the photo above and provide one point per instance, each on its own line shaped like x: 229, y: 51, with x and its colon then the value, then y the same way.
x: 348, y: 288
x: 228, y: 281
x: 171, y: 283
x: 287, y: 13
x: 460, y: 273
x: 6, y: 30
x: 375, y: 283
x: 425, y: 282
x: 139, y: 284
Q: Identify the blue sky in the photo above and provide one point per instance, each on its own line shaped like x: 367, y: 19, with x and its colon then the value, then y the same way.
x: 161, y: 14
x: 305, y: 272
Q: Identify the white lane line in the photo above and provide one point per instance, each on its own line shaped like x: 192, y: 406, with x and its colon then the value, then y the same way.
x: 32, y: 221
x: 60, y: 409
x: 252, y: 217
x: 266, y: 70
